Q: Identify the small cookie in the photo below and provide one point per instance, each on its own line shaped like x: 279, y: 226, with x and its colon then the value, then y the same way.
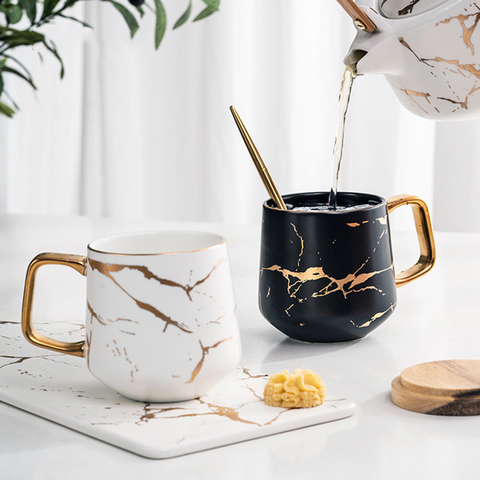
x: 302, y: 389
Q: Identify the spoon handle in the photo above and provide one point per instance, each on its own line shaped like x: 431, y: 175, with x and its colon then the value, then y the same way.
x: 362, y: 21
x: 259, y: 164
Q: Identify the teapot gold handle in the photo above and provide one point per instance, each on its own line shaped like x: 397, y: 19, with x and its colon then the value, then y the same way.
x: 361, y: 19
x: 426, y: 242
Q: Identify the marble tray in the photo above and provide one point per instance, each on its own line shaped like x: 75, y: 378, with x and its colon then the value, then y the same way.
x: 60, y: 388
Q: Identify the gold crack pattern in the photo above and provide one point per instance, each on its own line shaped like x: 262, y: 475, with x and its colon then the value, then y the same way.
x: 463, y: 104
x: 228, y: 412
x: 106, y: 269
x: 407, y: 46
x: 134, y: 367
x: 153, y: 412
x: 301, y: 244
x: 239, y: 407
x: 253, y: 392
x: 413, y: 93
x: 348, y: 285
x: 107, y: 321
x: 18, y: 360
x: 381, y: 314
x: 238, y: 410
x: 467, y: 31
x: 116, y: 350
x: 381, y: 220
x: 375, y: 317
x: 295, y: 280
x: 469, y: 68
x: 163, y: 281
x: 205, y: 352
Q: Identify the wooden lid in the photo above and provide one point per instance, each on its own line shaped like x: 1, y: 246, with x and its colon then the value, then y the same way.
x: 447, y: 387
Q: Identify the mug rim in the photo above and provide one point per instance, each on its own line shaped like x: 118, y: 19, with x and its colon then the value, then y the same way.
x: 372, y: 196
x: 221, y: 240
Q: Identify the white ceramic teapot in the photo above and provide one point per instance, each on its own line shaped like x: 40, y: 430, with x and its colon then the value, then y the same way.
x: 428, y: 50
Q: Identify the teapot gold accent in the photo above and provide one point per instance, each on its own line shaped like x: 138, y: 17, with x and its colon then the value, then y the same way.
x: 429, y: 52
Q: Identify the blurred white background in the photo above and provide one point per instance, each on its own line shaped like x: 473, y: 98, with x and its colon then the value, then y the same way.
x: 134, y: 132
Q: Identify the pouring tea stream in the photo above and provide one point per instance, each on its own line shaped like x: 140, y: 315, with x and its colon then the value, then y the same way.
x: 426, y: 51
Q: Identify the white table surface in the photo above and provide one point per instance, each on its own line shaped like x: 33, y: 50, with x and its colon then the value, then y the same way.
x: 437, y: 317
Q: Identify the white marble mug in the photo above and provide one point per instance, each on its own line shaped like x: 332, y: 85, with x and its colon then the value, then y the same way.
x: 161, y: 320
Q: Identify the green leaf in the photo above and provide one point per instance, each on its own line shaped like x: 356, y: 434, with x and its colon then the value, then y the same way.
x: 48, y: 7
x: 74, y: 19
x: 11, y: 38
x: 140, y: 11
x: 68, y: 4
x: 15, y: 14
x: 212, y: 7
x: 20, y: 64
x: 1, y: 84
x: 127, y: 15
x: 212, y: 3
x: 184, y: 17
x: 30, y: 7
x: 6, y: 110
x: 205, y: 13
x: 161, y: 23
x: 53, y: 50
x: 19, y: 74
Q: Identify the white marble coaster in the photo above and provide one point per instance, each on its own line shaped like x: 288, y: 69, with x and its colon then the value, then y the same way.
x: 60, y: 388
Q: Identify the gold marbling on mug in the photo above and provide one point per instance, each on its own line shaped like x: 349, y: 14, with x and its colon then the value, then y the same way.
x: 328, y: 275
x: 161, y: 317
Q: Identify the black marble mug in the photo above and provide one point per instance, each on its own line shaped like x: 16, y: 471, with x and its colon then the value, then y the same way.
x: 329, y: 276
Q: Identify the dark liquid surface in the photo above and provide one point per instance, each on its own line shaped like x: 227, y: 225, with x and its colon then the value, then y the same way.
x: 326, y: 207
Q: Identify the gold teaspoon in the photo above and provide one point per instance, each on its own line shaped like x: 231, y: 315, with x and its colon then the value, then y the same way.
x: 259, y: 164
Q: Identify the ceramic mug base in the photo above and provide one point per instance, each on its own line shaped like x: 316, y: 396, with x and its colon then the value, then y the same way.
x: 321, y: 335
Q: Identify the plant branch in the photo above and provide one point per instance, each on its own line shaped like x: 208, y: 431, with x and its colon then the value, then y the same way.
x: 12, y: 38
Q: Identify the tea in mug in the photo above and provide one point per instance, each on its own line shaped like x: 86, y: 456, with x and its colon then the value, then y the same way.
x: 326, y: 207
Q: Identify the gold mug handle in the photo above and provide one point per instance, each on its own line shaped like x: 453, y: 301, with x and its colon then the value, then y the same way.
x: 78, y: 263
x: 426, y: 242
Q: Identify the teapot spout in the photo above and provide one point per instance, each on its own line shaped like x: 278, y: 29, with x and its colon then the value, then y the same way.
x: 377, y: 52
x: 352, y: 59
